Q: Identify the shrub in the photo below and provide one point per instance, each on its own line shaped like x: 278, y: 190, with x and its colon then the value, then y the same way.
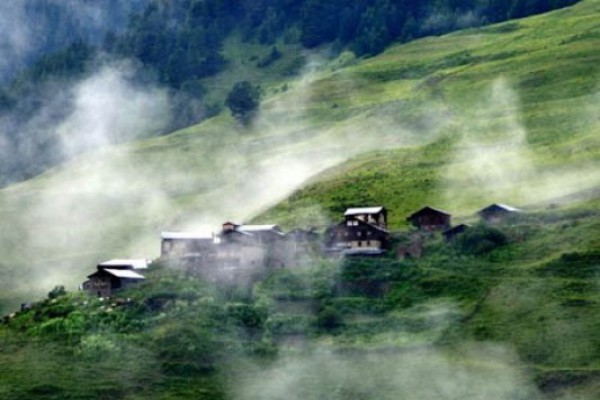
x: 57, y: 292
x: 480, y: 239
x: 243, y: 100
x: 329, y: 319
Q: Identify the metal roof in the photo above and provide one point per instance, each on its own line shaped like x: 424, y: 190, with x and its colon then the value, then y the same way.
x: 124, y: 273
x: 363, y: 210
x: 187, y: 235
x: 135, y: 263
x: 258, y: 228
x: 506, y: 207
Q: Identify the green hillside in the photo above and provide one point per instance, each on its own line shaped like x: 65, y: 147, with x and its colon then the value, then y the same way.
x: 504, y: 113
x: 474, y: 319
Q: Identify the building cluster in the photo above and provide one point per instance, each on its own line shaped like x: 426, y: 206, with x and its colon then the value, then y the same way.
x: 238, y: 250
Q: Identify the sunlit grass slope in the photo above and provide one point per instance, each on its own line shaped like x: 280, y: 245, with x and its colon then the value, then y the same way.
x: 519, y: 104
x: 504, y: 113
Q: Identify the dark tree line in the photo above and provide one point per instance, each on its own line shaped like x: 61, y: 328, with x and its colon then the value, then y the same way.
x: 177, y: 43
x: 182, y: 40
x: 368, y: 26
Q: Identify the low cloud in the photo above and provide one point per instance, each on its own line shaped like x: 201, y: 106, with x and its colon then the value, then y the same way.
x: 113, y: 202
x: 494, y: 156
x: 444, y: 20
x: 61, y: 219
x: 109, y: 109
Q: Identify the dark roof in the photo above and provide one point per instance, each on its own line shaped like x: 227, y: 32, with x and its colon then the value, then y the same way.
x: 427, y: 209
x: 457, y: 228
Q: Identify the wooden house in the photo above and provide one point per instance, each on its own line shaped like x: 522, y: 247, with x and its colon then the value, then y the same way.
x: 430, y: 219
x: 496, y: 213
x: 362, y: 232
x: 112, y: 275
x: 376, y: 216
x: 451, y: 233
x: 104, y: 282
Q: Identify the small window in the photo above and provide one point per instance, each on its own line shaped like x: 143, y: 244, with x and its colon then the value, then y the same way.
x: 359, y: 234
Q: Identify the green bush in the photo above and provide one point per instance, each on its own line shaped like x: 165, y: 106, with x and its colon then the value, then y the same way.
x: 480, y: 240
x: 57, y: 292
x: 328, y: 319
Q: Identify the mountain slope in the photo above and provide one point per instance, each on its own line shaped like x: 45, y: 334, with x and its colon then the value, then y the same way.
x: 520, y: 95
x: 517, y: 103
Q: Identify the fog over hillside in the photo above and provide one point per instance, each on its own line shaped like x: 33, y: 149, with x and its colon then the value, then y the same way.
x: 115, y: 201
x: 504, y: 164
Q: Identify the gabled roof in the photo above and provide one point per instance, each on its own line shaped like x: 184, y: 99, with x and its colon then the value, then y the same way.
x: 119, y: 273
x: 363, y: 210
x: 501, y: 206
x: 187, y: 235
x: 457, y: 228
x: 134, y: 264
x: 427, y: 208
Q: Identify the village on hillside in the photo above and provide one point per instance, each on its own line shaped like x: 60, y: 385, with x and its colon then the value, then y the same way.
x: 238, y: 250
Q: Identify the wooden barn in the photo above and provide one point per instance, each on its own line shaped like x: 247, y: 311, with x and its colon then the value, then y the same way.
x: 453, y: 232
x: 363, y: 232
x: 113, y: 275
x: 430, y: 219
x: 497, y: 213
